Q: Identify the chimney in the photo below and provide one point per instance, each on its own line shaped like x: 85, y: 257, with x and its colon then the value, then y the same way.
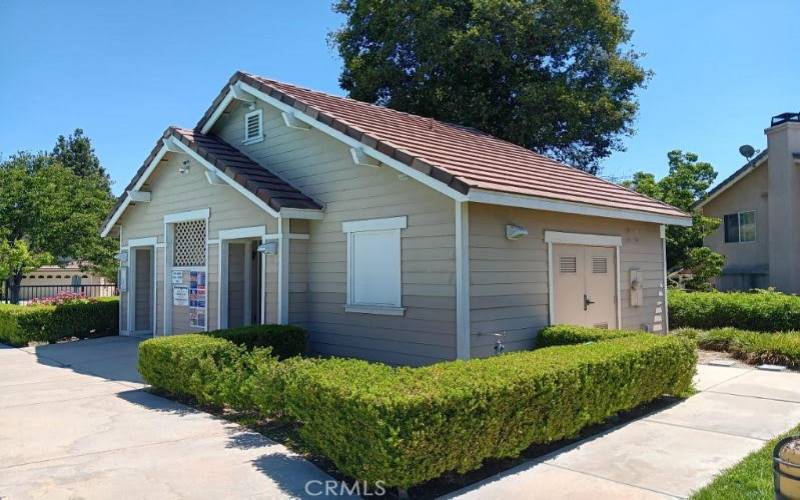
x: 783, y: 147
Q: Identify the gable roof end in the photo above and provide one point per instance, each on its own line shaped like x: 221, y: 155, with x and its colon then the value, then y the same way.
x: 735, y: 177
x: 234, y: 166
x: 465, y: 160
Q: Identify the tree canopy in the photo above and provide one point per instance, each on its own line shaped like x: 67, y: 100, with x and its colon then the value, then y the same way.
x: 686, y: 183
x: 550, y: 75
x: 51, y: 208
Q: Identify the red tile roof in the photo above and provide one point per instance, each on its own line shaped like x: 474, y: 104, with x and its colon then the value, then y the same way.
x: 460, y: 157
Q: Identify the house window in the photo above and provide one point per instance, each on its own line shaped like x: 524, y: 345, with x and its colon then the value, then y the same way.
x: 374, y: 266
x: 253, y: 127
x: 740, y: 227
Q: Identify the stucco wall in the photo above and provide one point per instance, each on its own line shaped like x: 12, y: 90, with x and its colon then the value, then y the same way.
x: 749, y: 193
x: 509, y: 279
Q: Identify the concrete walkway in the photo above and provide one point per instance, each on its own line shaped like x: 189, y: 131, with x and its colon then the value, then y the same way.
x: 668, y: 454
x: 76, y: 423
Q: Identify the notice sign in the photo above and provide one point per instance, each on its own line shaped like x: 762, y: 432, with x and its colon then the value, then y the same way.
x: 197, y: 299
x: 177, y: 277
x: 180, y: 296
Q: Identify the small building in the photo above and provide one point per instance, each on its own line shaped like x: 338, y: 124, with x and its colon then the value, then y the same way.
x: 751, y: 203
x: 48, y: 281
x: 389, y: 236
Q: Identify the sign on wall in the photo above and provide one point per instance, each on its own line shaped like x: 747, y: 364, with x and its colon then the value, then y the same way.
x: 197, y: 299
x: 177, y: 277
x: 180, y: 296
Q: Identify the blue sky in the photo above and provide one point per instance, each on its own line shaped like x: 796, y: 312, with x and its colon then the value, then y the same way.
x: 123, y: 71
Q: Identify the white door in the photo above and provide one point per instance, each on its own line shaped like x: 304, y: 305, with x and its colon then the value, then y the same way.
x: 584, y: 285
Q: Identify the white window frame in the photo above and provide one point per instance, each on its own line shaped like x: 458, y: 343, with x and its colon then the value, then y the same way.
x: 739, y: 227
x: 351, y: 229
x: 260, y: 135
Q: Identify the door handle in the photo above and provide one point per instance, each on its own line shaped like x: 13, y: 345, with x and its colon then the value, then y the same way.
x: 587, y: 302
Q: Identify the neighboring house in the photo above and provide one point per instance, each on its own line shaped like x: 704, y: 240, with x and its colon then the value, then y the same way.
x: 47, y: 281
x: 389, y: 236
x: 758, y: 205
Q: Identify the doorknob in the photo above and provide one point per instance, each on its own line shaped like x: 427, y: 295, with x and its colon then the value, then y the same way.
x: 586, y: 302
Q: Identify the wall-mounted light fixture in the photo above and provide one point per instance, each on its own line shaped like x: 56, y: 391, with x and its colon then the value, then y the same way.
x: 122, y: 257
x: 185, y: 167
x: 268, y: 248
x: 514, y: 232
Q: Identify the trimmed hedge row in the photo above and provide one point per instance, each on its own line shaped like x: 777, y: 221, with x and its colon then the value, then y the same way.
x: 405, y: 426
x: 20, y: 325
x: 286, y: 341
x: 782, y: 348
x: 763, y: 312
x: 573, y: 334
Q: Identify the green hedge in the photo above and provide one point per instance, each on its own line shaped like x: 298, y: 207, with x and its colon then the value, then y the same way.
x: 573, y: 334
x: 20, y: 325
x: 405, y: 426
x: 782, y: 348
x: 286, y: 341
x: 209, y: 369
x: 764, y: 311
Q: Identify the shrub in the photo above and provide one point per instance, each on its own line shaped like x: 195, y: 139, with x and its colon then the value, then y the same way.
x: 209, y: 369
x: 408, y: 425
x: 764, y: 312
x: 20, y: 325
x: 781, y: 348
x: 573, y: 334
x: 285, y: 340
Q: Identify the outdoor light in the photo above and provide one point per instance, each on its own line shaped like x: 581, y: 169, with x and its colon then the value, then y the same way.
x: 185, y: 166
x: 122, y: 257
x: 515, y: 232
x: 268, y: 248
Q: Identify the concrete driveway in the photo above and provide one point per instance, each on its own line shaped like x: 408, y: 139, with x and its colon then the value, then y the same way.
x: 75, y: 422
x: 668, y: 454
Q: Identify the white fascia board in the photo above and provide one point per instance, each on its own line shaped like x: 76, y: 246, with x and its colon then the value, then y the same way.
x: 238, y: 187
x: 733, y: 181
x: 242, y: 232
x: 291, y: 121
x: 302, y: 213
x: 118, y: 213
x: 346, y: 139
x: 513, y: 200
x: 375, y: 224
x: 598, y: 240
x: 218, y: 111
x: 199, y: 214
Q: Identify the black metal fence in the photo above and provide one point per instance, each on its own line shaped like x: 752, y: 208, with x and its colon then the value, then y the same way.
x: 28, y: 293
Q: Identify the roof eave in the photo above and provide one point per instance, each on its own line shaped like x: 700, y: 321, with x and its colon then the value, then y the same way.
x: 553, y: 205
x: 733, y: 179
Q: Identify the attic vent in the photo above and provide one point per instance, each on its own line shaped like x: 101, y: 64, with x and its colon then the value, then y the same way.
x: 599, y: 265
x: 568, y: 265
x: 253, y: 127
x: 190, y: 244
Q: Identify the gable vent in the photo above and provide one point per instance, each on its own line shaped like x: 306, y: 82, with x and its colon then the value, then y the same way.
x: 568, y: 264
x: 599, y: 265
x: 253, y: 126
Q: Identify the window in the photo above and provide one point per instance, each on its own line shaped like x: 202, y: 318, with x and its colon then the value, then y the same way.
x: 253, y: 127
x: 374, y: 265
x: 740, y: 227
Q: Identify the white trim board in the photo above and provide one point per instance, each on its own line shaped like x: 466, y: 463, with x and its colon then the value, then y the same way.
x: 463, y: 326
x: 199, y: 214
x: 142, y: 242
x: 514, y: 200
x: 242, y: 232
x: 375, y: 224
x: 597, y: 240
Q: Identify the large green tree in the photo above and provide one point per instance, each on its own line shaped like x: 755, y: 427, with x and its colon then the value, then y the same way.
x: 687, y: 182
x: 51, y: 212
x: 550, y: 75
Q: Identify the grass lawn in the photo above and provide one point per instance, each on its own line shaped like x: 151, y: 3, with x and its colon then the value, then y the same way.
x: 751, y: 478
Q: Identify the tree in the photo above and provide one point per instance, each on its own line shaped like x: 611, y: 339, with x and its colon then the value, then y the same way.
x: 549, y: 75
x: 49, y: 212
x: 705, y: 264
x: 686, y: 183
x: 77, y: 154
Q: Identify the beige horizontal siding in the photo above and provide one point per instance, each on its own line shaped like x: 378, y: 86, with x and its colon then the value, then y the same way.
x: 509, y: 279
x: 323, y: 169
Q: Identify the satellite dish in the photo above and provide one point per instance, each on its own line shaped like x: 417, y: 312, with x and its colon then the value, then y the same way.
x: 747, y: 151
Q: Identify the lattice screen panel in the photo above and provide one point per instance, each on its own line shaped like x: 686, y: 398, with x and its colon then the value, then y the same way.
x: 190, y: 243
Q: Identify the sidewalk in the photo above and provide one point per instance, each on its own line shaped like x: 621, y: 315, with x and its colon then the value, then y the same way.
x: 668, y: 454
